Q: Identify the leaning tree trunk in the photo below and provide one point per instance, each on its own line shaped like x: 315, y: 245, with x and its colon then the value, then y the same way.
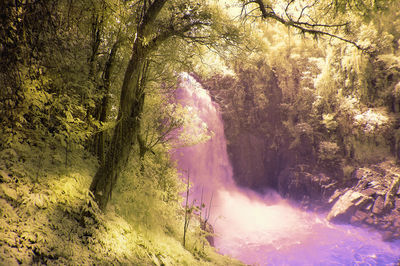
x: 125, y: 131
x: 130, y: 109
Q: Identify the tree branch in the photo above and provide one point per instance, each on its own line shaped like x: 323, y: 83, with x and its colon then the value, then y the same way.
x: 316, y: 29
x: 172, y: 31
x: 150, y: 15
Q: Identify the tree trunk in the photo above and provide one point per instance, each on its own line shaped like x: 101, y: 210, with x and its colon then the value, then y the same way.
x: 102, y: 109
x: 142, y: 152
x: 130, y: 110
x: 124, y: 134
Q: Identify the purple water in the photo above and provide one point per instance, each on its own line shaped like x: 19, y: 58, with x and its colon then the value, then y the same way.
x: 264, y: 230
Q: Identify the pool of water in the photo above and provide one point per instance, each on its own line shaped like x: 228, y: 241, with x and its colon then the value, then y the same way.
x: 262, y: 231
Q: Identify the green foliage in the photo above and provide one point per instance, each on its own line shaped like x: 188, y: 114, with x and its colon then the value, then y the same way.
x: 365, y: 8
x: 329, y: 121
x: 338, y: 104
x: 369, y: 152
x: 49, y: 217
x: 348, y: 171
x: 328, y: 151
x: 149, y: 198
x: 54, y: 93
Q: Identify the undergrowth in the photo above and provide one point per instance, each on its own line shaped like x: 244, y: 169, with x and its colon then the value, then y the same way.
x: 47, y: 214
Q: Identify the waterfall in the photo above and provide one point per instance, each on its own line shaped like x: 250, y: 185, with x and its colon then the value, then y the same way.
x: 207, y: 164
x: 264, y: 230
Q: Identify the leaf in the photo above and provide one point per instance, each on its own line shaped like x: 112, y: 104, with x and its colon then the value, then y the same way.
x: 69, y: 116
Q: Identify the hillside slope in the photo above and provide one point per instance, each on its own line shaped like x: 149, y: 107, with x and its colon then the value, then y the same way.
x: 48, y: 217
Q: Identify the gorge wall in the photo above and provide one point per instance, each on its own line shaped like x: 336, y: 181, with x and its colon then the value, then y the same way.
x: 263, y: 151
x: 275, y: 140
x: 253, y: 125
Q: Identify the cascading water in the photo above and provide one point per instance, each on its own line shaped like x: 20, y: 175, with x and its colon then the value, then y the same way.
x: 265, y: 230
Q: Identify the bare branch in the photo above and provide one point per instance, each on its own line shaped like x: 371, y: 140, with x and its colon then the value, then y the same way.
x: 287, y: 8
x: 306, y: 7
x: 316, y: 29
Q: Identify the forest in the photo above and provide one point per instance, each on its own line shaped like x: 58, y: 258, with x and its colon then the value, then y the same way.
x: 132, y: 131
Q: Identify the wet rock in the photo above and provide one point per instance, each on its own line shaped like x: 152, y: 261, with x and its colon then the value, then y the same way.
x: 369, y: 192
x: 247, y: 156
x: 388, y: 236
x: 378, y: 205
x: 301, y: 183
x: 370, y: 221
x: 252, y: 131
x: 385, y: 226
x: 378, y: 208
x: 368, y: 207
x: 390, y: 195
x: 361, y: 173
x: 371, y: 198
x: 396, y: 222
x: 359, y: 217
x: 374, y: 184
x: 358, y: 174
x: 363, y: 184
x: 346, y: 206
x: 335, y: 196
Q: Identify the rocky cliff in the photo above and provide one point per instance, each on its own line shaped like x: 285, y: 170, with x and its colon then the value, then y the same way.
x: 373, y: 200
x: 272, y: 143
x: 253, y: 126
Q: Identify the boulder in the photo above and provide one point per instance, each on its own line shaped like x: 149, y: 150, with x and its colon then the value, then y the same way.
x: 388, y: 236
x: 370, y: 221
x: 346, y: 206
x: 396, y: 222
x: 378, y: 205
x: 362, y: 173
x: 359, y: 217
x: 369, y: 192
x: 391, y: 194
x: 335, y: 196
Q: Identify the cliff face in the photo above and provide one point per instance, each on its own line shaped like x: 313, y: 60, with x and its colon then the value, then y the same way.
x: 251, y: 110
x: 255, y: 165
x: 264, y: 136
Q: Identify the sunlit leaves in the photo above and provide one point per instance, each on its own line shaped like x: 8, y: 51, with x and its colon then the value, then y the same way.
x: 193, y: 129
x: 372, y: 121
x: 329, y: 121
